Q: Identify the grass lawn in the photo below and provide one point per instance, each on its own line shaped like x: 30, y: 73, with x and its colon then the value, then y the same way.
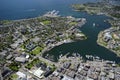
x: 14, y: 76
x: 79, y: 7
x: 73, y: 23
x: 37, y: 50
x: 22, y: 46
x: 14, y: 66
x: 53, y: 67
x: 31, y: 64
x: 5, y: 22
x: 46, y: 22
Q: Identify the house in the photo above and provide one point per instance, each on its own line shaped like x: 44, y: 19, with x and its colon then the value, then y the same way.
x: 79, y: 35
x: 30, y: 46
x: 102, y: 77
x: 21, y: 76
x: 48, y: 72
x: 23, y: 31
x: 5, y: 72
x: 16, y: 44
x: 83, y: 73
x: 39, y: 73
x: 41, y: 65
x: 1, y: 78
x: 86, y: 69
x: 22, y: 79
x: 55, y: 78
x: 111, y: 75
x: 117, y: 70
x: 67, y: 78
x: 36, y: 39
x: 89, y: 78
x: 63, y: 71
x: 79, y: 77
x: 117, y: 76
x: 80, y: 68
x: 20, y: 59
x: 74, y: 67
x: 107, y: 36
x: 4, y: 53
x: 71, y: 74
x: 9, y: 56
x: 16, y: 35
x: 93, y: 76
x: 55, y: 73
x: 66, y: 65
x: 60, y: 69
x: 116, y: 35
x: 98, y: 69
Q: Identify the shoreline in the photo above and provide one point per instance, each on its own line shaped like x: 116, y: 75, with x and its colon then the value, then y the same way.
x: 49, y: 47
x: 100, y: 44
x: 73, y: 27
x: 99, y: 13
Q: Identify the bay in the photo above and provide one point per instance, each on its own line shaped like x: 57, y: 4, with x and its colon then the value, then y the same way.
x: 20, y: 9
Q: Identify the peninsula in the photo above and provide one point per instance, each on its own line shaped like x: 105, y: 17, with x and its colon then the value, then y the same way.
x: 23, y: 42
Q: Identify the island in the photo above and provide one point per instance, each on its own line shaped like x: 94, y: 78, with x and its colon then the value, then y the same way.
x: 109, y: 38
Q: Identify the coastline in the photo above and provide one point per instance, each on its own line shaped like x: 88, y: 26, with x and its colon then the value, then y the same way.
x: 100, y: 43
x: 48, y: 48
x: 73, y: 28
x: 53, y: 47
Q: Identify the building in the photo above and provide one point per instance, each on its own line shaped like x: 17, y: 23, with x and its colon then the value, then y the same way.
x: 4, y: 53
x: 9, y: 56
x: 66, y: 65
x: 107, y: 36
x: 67, y: 78
x: 20, y: 59
x: 39, y: 73
x: 6, y: 72
x: 21, y: 76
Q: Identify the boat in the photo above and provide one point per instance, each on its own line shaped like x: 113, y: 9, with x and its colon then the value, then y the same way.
x: 93, y: 24
x: 60, y: 56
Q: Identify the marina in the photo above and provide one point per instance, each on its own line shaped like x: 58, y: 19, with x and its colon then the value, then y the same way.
x: 52, y: 13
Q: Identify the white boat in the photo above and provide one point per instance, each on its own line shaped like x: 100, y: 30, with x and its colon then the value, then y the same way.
x: 60, y: 56
x: 93, y: 24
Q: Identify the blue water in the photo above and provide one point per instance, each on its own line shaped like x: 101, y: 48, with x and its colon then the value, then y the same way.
x: 89, y: 46
x: 20, y: 9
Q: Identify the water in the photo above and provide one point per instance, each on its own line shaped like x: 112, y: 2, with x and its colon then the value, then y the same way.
x: 19, y: 9
x: 115, y: 2
x: 89, y: 46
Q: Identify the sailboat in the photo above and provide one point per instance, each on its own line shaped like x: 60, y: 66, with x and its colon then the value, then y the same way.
x: 93, y: 24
